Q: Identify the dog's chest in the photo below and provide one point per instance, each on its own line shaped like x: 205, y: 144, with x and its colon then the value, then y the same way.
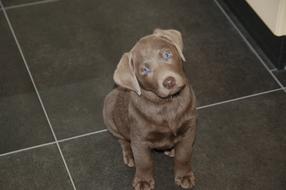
x: 164, y: 136
x: 166, y: 127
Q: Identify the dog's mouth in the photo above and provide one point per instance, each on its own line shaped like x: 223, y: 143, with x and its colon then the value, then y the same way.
x: 172, y: 94
x: 175, y: 94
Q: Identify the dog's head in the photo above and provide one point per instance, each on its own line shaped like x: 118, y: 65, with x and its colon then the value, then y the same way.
x: 154, y: 64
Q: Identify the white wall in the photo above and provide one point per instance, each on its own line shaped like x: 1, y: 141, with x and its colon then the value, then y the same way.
x: 273, y: 13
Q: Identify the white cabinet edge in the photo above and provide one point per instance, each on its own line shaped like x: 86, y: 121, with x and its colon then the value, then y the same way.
x: 274, y: 17
x: 281, y: 19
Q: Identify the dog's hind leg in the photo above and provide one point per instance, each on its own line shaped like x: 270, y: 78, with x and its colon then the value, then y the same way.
x: 127, y: 153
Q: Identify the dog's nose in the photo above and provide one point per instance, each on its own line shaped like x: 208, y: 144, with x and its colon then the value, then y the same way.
x: 169, y: 82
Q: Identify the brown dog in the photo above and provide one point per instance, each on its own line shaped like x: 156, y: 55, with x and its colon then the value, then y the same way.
x: 153, y: 107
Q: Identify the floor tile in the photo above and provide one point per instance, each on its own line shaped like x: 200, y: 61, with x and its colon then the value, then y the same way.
x: 35, y: 169
x: 95, y: 163
x: 76, y: 108
x: 73, y: 53
x: 281, y: 75
x: 240, y: 145
x: 22, y: 121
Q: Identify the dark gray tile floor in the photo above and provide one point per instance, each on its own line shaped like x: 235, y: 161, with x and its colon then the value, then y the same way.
x: 72, y: 48
x: 36, y: 169
x: 22, y: 121
x: 242, y: 145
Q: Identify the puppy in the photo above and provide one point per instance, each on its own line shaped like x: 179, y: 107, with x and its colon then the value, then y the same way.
x: 153, y: 107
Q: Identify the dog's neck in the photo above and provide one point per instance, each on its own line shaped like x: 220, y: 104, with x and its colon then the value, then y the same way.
x: 166, y: 110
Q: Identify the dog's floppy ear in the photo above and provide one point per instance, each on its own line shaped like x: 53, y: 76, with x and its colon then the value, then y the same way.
x: 174, y: 37
x: 124, y: 74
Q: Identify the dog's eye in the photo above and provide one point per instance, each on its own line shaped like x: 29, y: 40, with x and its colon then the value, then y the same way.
x: 167, y: 55
x: 146, y: 71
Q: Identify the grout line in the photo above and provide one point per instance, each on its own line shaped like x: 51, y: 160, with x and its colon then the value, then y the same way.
x: 240, y: 98
x: 248, y: 44
x: 83, y: 135
x: 51, y: 143
x: 29, y: 4
x: 105, y: 130
x: 36, y: 90
x: 25, y: 149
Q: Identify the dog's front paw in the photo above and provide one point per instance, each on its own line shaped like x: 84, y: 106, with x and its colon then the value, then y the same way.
x: 187, y: 181
x: 143, y: 183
